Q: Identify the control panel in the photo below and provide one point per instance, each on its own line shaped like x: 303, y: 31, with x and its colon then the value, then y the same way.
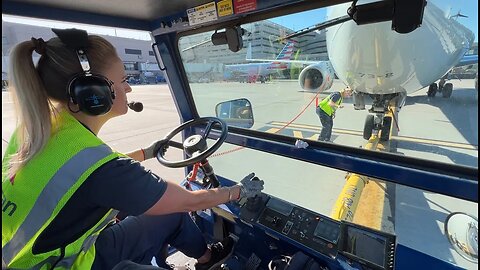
x: 335, y: 239
x: 306, y: 227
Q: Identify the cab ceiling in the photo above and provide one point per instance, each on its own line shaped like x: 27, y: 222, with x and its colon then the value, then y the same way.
x: 132, y: 14
x: 139, y: 14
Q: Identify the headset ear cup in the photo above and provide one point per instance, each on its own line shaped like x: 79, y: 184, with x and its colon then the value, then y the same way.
x: 92, y: 93
x: 71, y: 90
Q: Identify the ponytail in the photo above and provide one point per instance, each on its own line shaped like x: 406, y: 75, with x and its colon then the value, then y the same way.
x: 32, y: 105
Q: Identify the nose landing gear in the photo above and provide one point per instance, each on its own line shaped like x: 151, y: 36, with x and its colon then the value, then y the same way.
x: 379, y: 122
x: 378, y: 125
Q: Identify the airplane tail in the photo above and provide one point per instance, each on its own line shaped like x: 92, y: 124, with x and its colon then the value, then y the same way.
x: 287, y: 51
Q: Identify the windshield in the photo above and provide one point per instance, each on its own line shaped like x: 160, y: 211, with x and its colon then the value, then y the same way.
x: 415, y: 99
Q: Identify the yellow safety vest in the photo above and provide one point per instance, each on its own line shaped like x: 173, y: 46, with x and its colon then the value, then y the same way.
x: 41, y: 189
x: 327, y: 108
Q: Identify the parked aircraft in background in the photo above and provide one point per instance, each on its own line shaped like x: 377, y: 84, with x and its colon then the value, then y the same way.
x: 253, y: 72
x: 315, y: 76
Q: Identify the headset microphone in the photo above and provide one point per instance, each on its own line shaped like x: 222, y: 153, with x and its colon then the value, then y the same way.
x: 136, y: 106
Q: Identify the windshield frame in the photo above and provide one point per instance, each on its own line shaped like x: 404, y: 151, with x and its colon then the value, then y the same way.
x: 449, y: 179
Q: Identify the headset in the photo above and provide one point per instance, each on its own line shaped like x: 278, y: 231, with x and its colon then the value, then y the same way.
x: 93, y: 93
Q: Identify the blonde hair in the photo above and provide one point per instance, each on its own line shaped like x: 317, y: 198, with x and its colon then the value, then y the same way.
x: 34, y: 88
x: 348, y: 89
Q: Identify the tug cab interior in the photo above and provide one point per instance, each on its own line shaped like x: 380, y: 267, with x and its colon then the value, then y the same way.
x: 239, y: 130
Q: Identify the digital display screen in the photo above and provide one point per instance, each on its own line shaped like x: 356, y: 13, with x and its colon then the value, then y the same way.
x: 366, y: 245
x: 281, y: 207
x: 327, y: 230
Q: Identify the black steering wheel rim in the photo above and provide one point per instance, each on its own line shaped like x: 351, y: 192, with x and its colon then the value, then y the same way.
x: 195, y: 158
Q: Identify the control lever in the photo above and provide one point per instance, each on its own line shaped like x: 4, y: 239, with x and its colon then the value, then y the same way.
x: 208, y: 170
x: 254, y: 203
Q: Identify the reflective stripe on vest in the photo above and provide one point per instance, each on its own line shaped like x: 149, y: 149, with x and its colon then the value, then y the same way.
x: 63, y: 180
x: 67, y: 262
x: 327, y: 108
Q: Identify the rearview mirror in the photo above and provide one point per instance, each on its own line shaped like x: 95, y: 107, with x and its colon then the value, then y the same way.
x: 231, y: 36
x: 237, y: 112
x: 462, y: 233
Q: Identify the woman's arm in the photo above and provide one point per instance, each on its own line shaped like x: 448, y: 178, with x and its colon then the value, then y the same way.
x: 177, y: 199
x: 333, y: 104
x: 137, y: 155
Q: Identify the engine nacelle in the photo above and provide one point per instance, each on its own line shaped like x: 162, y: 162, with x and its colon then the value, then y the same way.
x: 317, y: 77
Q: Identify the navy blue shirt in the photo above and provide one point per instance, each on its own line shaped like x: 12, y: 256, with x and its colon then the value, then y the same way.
x: 122, y: 184
x: 335, y: 96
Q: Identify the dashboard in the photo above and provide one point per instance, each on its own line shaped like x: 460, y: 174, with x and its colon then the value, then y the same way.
x: 372, y: 249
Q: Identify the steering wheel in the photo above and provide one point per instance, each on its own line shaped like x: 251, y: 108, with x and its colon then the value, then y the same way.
x: 195, y: 146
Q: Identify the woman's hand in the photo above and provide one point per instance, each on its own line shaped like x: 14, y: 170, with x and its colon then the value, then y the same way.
x: 250, y: 186
x: 152, y: 150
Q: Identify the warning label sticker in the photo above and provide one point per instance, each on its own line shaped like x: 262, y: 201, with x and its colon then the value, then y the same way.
x: 202, y: 14
x: 242, y: 6
x: 225, y: 8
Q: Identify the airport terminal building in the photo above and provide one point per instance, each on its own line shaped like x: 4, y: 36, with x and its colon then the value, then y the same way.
x: 139, y: 58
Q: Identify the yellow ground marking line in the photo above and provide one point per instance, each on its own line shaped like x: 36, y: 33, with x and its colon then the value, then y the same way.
x: 397, y: 138
x: 272, y: 130
x: 436, y: 142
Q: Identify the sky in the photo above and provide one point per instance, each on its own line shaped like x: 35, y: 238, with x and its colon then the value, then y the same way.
x: 294, y: 21
x: 466, y: 7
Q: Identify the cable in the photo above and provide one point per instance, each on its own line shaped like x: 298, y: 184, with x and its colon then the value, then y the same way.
x: 394, y: 119
x: 286, y: 125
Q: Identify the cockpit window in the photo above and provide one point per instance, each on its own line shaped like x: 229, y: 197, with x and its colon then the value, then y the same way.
x: 366, y: 87
x: 415, y: 111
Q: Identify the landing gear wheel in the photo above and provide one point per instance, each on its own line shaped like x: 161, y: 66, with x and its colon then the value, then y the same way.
x: 385, y: 131
x: 368, y: 127
x: 441, y: 84
x: 447, y: 90
x: 195, y: 145
x: 432, y: 90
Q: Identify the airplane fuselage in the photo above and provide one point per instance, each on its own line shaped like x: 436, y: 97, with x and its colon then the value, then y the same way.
x: 255, y: 69
x: 374, y: 59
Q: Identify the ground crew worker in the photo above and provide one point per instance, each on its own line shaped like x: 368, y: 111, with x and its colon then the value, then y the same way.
x: 62, y: 185
x: 326, y: 112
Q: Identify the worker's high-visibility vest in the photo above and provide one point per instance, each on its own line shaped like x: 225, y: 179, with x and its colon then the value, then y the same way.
x: 39, y: 191
x: 327, y: 108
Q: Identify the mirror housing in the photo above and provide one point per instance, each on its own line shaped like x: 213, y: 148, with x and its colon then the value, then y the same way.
x: 236, y: 113
x: 406, y: 15
x: 462, y: 232
x: 232, y: 36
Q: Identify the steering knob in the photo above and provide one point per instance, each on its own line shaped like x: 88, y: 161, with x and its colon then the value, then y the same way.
x: 194, y: 143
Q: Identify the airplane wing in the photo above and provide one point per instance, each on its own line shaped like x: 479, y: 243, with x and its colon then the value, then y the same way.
x: 468, y: 60
x: 284, y: 61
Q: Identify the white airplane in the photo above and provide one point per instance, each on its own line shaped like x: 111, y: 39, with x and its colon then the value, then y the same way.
x: 252, y: 71
x: 376, y: 61
x: 316, y: 76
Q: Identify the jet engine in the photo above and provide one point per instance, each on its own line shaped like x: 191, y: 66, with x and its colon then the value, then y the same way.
x: 316, y: 77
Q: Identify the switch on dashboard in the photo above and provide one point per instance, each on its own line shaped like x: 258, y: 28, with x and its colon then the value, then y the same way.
x: 287, y: 227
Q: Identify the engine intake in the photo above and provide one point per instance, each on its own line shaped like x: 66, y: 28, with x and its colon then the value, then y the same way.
x: 316, y: 77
